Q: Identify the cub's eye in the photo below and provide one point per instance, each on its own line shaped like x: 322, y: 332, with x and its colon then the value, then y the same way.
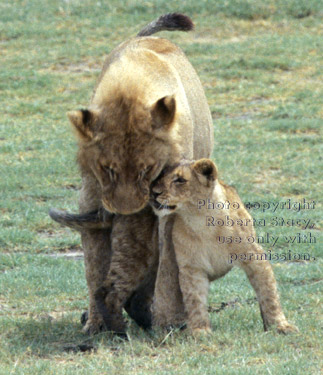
x: 179, y: 180
x: 110, y: 171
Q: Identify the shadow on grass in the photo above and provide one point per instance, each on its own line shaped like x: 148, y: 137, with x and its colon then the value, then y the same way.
x: 51, y: 337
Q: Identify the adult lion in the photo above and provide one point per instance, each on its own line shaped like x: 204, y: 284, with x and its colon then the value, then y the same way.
x: 148, y: 111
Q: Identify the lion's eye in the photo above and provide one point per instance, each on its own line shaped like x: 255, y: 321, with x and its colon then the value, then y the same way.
x: 179, y: 180
x: 145, y: 171
x: 110, y: 171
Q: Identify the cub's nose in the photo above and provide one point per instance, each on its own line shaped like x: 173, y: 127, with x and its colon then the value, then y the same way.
x: 154, y: 194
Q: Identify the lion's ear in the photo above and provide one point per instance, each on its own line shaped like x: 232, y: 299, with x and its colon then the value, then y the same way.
x: 206, y: 171
x: 163, y: 112
x: 83, y: 121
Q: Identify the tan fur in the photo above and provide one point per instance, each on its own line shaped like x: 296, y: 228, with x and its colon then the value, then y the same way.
x: 148, y: 110
x: 144, y: 115
x: 200, y: 257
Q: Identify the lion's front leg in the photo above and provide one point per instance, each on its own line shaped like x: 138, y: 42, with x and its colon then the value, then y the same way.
x: 97, y: 250
x: 168, y: 306
x: 97, y: 254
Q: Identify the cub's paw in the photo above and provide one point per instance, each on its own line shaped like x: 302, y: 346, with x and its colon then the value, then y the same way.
x: 138, y: 308
x: 200, y: 332
x: 84, y: 317
x: 286, y: 328
x: 93, y: 327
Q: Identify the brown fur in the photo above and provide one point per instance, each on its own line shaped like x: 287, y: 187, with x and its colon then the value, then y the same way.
x: 170, y: 21
x: 200, y: 257
x: 132, y: 274
x: 97, y: 219
x: 148, y: 110
x: 132, y: 270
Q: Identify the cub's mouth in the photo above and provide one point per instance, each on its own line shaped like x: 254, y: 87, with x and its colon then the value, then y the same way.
x: 158, y: 206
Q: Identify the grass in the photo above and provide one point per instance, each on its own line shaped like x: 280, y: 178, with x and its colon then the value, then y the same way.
x: 261, y: 66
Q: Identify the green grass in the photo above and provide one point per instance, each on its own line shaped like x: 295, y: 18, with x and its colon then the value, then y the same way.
x: 261, y: 66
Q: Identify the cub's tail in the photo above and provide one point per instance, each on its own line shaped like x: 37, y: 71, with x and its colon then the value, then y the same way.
x: 169, y: 21
x: 98, y: 219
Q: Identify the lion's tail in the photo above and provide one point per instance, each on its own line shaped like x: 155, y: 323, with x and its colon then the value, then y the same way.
x: 169, y: 21
x: 98, y: 219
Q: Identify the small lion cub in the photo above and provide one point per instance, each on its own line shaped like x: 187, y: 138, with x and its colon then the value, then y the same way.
x: 207, y: 247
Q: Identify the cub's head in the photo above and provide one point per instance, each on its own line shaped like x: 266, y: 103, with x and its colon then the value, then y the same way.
x: 125, y: 145
x: 181, y: 185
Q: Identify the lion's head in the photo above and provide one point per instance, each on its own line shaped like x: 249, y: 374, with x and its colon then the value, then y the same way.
x: 125, y: 145
x: 182, y: 184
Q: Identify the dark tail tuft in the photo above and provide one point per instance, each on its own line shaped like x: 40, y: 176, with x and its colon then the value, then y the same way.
x: 169, y: 21
x: 98, y: 219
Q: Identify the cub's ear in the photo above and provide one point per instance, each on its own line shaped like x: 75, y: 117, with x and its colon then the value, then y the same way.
x: 206, y: 171
x: 83, y: 121
x: 163, y: 112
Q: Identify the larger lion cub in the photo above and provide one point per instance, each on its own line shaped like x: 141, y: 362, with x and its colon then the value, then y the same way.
x: 207, y: 247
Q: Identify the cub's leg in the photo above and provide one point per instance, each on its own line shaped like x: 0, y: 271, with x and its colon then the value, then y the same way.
x: 168, y: 307
x: 195, y: 288
x: 133, y: 293
x: 261, y: 277
x: 132, y: 272
x: 138, y: 306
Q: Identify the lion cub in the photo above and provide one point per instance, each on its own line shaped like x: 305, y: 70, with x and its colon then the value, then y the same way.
x: 201, y: 253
